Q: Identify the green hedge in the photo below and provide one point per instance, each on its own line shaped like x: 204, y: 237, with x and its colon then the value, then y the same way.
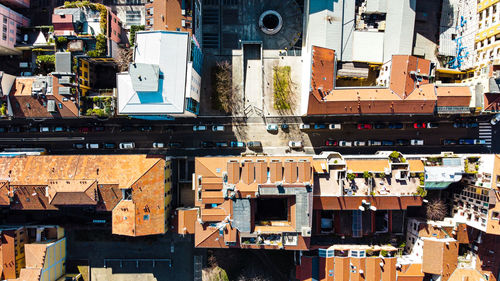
x: 133, y: 30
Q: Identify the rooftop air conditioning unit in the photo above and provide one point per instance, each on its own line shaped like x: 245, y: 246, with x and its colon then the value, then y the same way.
x: 306, y: 231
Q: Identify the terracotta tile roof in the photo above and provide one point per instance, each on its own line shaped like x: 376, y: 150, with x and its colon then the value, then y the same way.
x: 109, y: 195
x: 402, y: 81
x: 72, y: 192
x: 28, y: 274
x: 186, y: 219
x: 361, y: 165
x: 353, y: 202
x: 30, y: 197
x: 35, y: 254
x: 416, y: 165
x: 290, y: 172
x: 26, y: 106
x: 410, y: 270
x: 4, y: 191
x: 491, y: 102
x: 453, y: 96
x: 466, y: 274
x: 440, y: 257
x: 373, y: 269
x: 341, y: 269
x: 406, y: 94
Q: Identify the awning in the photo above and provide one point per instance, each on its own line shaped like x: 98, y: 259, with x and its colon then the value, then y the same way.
x: 450, y: 71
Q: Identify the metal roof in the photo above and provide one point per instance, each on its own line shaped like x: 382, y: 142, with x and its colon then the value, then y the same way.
x: 63, y: 62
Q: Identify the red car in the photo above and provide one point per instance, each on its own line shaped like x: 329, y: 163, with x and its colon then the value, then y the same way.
x: 331, y: 143
x: 84, y: 129
x: 419, y: 125
x: 365, y: 126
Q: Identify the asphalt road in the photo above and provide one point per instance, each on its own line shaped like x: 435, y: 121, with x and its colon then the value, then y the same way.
x: 180, y: 131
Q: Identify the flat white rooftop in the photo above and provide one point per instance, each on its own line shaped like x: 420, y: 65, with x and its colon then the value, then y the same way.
x: 164, y: 50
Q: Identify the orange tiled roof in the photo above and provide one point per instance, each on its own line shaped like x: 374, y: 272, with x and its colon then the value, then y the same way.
x: 361, y: 165
x: 416, y: 165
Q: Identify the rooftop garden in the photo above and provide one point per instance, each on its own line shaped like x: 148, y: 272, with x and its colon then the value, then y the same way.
x: 282, y: 89
x: 471, y: 165
x: 100, y: 106
x: 397, y: 157
x: 222, y: 92
x: 103, y: 11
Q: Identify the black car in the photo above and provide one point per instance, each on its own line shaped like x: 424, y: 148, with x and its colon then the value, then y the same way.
x: 207, y: 144
x: 402, y: 142
x: 14, y: 129
x: 449, y: 142
x: 78, y: 145
x: 174, y: 144
x: 126, y: 129
x: 379, y: 126
x: 109, y: 146
x: 145, y: 129
x: 99, y: 129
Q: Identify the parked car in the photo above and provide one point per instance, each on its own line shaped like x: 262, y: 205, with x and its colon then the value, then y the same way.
x: 335, y: 126
x: 109, y: 145
x: 126, y: 129
x: 295, y: 144
x: 359, y: 143
x: 419, y: 125
x: 449, y: 142
x: 319, y: 126
x: 304, y: 126
x: 127, y: 145
x: 402, y: 142
x: 331, y: 143
x: 379, y: 126
x: 272, y: 127
x: 459, y: 125
x: 207, y: 144
x: 254, y: 144
x: 466, y: 141
x: 99, y: 128
x: 92, y: 145
x: 78, y: 145
x: 387, y: 143
x: 396, y: 125
x: 44, y: 129
x: 174, y: 144
x: 221, y: 144
x: 374, y: 142
x: 218, y: 128
x: 237, y: 144
x: 431, y: 125
x: 145, y: 128
x: 417, y: 142
x: 479, y: 141
x: 345, y: 143
x: 365, y: 126
x: 2, y: 130
x: 471, y: 125
x: 158, y: 145
x: 199, y: 128
x: 84, y: 129
x: 59, y: 129
x: 14, y: 129
x: 26, y: 73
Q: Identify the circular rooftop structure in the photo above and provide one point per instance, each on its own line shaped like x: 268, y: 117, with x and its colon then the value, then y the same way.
x: 270, y: 22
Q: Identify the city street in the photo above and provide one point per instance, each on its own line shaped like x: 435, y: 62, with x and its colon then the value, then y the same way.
x: 179, y: 138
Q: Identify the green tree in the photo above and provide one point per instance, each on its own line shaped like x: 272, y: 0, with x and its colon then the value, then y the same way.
x: 351, y: 176
x: 367, y: 175
x: 133, y: 30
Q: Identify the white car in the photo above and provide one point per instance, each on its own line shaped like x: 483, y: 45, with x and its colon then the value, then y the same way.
x: 359, y: 143
x: 334, y: 126
x: 92, y: 145
x: 495, y: 119
x: 305, y: 126
x: 127, y: 145
x: 417, y: 142
x: 374, y: 143
x: 295, y: 144
x: 272, y: 127
x: 158, y: 145
x: 345, y: 143
x: 199, y: 128
x: 218, y: 128
x: 44, y: 129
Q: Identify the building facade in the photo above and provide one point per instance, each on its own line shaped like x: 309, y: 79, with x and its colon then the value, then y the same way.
x: 10, y: 32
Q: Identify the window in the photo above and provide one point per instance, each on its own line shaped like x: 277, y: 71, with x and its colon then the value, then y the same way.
x: 146, y: 217
x: 133, y: 17
x: 495, y: 216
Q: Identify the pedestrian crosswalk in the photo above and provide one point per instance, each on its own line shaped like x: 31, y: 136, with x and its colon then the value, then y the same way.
x: 485, y: 132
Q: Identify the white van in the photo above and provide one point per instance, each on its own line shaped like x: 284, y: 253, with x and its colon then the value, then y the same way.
x: 92, y: 146
x: 127, y: 145
x: 334, y: 126
x: 158, y: 145
x: 44, y: 129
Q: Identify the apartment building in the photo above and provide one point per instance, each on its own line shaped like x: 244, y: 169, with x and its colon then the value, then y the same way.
x: 404, y: 88
x: 478, y: 203
x: 32, y: 252
x: 130, y: 12
x: 133, y: 189
x: 10, y: 32
x: 165, y: 78
x: 171, y: 15
x: 17, y: 3
x: 253, y: 202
